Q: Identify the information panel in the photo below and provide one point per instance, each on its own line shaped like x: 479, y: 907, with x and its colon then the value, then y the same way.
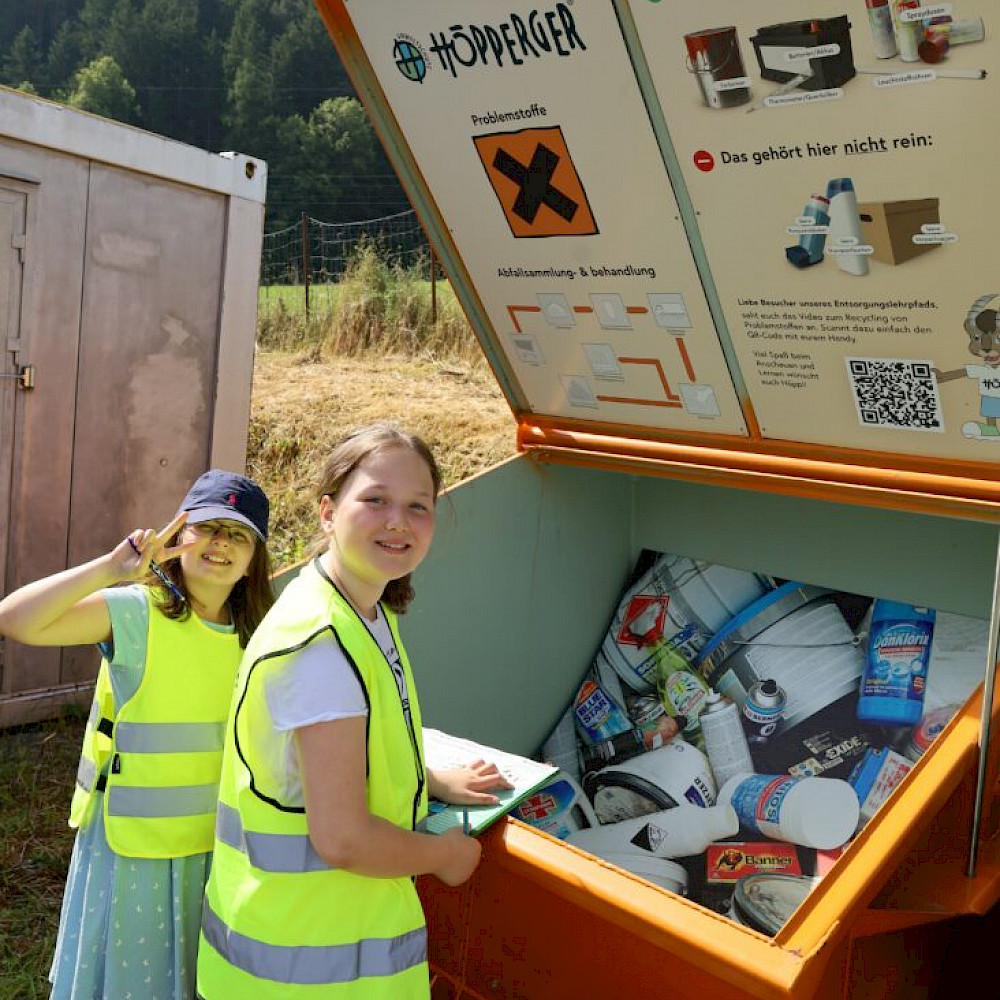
x: 842, y: 162
x: 529, y: 127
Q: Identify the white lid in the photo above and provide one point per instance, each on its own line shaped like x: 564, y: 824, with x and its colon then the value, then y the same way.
x: 660, y: 871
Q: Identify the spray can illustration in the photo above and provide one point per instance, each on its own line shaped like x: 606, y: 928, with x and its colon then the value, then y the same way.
x: 880, y: 22
x: 845, y: 227
x: 907, y: 32
x: 725, y: 741
x: 809, y: 249
x: 763, y: 709
x: 895, y: 676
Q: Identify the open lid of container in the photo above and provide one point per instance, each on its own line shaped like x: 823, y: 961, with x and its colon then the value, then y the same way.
x: 619, y: 250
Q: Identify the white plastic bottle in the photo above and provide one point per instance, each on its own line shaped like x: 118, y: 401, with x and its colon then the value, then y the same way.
x: 670, y: 833
x: 845, y: 227
x: 813, y: 812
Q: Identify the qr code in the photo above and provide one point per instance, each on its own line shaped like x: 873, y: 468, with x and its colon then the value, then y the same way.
x: 895, y: 393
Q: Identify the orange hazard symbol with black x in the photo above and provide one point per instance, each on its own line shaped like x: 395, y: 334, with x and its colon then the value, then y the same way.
x: 539, y: 189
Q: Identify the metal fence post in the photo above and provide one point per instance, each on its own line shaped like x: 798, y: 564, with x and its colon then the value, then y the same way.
x: 305, y: 259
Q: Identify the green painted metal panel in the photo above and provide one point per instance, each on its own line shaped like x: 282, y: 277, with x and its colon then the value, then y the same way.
x: 944, y: 563
x: 515, y: 596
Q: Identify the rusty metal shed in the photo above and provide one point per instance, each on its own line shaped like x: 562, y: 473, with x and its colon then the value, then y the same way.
x: 128, y: 290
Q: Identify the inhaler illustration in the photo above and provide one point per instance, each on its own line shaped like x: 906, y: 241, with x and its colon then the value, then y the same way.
x: 845, y: 226
x: 809, y: 249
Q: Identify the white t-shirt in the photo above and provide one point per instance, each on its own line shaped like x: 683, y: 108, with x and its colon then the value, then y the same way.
x: 319, y: 685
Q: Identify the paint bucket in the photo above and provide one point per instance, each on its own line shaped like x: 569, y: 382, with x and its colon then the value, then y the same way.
x: 661, y: 779
x: 666, y: 874
x: 764, y: 901
x: 796, y: 636
x: 675, y: 606
x: 713, y: 56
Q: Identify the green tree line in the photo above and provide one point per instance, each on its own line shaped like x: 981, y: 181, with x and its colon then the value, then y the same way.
x: 256, y: 76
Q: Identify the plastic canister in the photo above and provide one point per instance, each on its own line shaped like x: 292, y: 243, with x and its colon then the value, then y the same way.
x: 797, y: 636
x: 844, y: 241
x: 673, y: 607
x: 661, y: 779
x: 559, y: 808
x: 895, y: 675
x: 714, y: 58
x: 683, y: 693
x: 680, y: 832
x: 764, y: 902
x: 812, y: 812
x: 598, y: 717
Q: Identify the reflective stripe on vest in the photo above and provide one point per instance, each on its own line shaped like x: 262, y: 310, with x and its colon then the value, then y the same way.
x: 169, y: 737
x: 161, y: 803
x: 268, y: 852
x: 86, y: 773
x: 312, y: 965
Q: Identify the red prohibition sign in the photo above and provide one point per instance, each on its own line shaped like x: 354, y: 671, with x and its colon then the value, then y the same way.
x: 704, y: 160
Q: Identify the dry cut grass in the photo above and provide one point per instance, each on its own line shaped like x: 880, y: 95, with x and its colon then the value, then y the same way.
x: 302, y: 405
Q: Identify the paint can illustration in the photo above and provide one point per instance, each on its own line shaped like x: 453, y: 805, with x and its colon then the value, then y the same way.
x: 714, y: 58
x: 796, y: 636
x: 670, y: 612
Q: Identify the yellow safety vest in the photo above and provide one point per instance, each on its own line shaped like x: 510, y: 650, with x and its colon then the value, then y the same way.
x: 278, y: 922
x: 164, y: 744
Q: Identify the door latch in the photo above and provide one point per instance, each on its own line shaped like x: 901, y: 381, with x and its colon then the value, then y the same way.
x: 25, y: 376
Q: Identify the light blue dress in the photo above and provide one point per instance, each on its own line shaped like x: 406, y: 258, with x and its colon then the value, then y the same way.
x: 129, y: 926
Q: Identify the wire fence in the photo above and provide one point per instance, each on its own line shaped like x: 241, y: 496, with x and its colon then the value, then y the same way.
x: 313, y: 255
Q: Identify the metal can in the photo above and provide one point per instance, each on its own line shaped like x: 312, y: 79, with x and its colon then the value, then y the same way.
x: 763, y: 709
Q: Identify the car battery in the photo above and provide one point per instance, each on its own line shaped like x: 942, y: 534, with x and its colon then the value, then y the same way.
x: 779, y: 50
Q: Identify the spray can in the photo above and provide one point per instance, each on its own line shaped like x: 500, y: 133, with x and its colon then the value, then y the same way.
x: 763, y: 710
x: 813, y: 812
x: 845, y: 226
x: 809, y: 249
x: 907, y: 32
x: 880, y: 22
x: 725, y: 741
x: 895, y: 675
x: 624, y: 746
x: 682, y: 692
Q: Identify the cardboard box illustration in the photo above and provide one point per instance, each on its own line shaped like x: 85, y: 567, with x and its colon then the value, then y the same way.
x: 889, y: 226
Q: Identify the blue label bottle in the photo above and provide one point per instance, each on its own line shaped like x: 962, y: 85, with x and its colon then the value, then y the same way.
x: 895, y: 675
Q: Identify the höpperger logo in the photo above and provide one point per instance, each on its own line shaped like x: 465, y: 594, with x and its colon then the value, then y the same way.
x: 410, y: 58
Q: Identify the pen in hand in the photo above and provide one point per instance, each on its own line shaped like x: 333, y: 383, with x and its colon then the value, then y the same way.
x: 157, y: 571
x: 465, y: 821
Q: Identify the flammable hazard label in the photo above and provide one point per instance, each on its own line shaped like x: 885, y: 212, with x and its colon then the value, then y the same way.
x: 729, y: 862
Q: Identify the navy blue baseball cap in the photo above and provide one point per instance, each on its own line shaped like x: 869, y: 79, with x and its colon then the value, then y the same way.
x: 218, y: 494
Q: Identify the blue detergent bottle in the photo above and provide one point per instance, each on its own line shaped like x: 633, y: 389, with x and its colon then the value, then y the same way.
x: 895, y: 675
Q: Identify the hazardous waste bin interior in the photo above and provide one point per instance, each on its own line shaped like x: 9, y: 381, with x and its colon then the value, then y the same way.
x: 735, y: 731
